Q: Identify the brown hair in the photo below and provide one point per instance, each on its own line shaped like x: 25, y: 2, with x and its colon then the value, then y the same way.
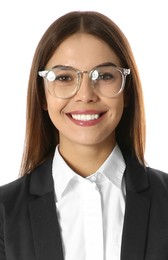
x: 41, y: 135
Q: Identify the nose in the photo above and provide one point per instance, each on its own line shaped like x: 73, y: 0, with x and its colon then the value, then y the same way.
x: 86, y: 91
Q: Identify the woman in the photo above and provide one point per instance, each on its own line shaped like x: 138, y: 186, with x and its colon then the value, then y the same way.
x: 85, y: 191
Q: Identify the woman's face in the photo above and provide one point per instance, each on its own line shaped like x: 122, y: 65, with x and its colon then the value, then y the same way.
x: 87, y: 118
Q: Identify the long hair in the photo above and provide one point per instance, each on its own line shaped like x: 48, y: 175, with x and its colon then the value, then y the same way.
x: 41, y: 135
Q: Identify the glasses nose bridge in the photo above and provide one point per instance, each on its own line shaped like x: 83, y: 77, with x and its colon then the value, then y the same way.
x: 84, y: 72
x: 81, y: 73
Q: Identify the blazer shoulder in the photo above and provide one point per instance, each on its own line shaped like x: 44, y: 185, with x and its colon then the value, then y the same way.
x: 158, y: 179
x: 13, y: 188
x: 22, y: 184
x: 14, y: 195
x: 27, y: 186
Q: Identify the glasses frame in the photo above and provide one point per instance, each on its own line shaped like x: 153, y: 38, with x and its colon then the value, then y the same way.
x: 124, y: 72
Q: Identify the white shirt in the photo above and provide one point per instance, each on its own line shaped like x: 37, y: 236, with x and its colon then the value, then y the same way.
x: 91, y: 210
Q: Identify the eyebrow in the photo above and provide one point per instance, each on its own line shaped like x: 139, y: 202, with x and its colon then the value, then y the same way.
x: 108, y: 63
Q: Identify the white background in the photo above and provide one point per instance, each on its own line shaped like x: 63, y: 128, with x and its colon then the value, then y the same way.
x: 22, y: 23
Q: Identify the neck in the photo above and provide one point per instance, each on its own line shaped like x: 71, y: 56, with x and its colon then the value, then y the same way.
x: 85, y: 159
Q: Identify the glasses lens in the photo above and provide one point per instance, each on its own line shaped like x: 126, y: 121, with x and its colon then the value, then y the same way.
x: 62, y: 82
x: 108, y: 80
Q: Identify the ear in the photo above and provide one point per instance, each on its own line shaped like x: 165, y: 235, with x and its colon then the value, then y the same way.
x: 126, y: 99
x: 127, y: 94
x: 44, y: 105
x: 44, y: 101
x: 45, y: 108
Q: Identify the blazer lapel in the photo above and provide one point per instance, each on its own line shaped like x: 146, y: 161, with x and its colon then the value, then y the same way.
x: 44, y: 220
x: 136, y: 213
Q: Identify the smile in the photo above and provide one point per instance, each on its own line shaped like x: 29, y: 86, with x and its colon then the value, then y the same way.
x: 87, y: 118
x: 83, y: 117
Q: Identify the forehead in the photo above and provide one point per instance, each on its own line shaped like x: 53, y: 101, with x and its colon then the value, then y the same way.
x: 83, y: 51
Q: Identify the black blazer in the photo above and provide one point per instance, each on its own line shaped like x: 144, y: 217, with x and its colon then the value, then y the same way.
x: 29, y: 228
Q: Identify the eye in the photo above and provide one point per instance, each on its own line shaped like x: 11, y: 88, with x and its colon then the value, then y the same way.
x: 105, y: 76
x: 64, y: 78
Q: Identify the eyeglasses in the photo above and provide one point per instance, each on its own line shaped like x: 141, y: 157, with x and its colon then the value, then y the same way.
x: 65, y: 81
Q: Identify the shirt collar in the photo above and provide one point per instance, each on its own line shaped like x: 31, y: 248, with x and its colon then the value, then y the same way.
x: 113, y: 169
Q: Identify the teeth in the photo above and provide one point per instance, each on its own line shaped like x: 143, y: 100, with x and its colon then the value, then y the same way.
x: 85, y: 117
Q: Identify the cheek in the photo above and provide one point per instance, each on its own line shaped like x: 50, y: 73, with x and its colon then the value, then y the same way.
x: 53, y: 113
x: 54, y: 107
x: 116, y: 109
